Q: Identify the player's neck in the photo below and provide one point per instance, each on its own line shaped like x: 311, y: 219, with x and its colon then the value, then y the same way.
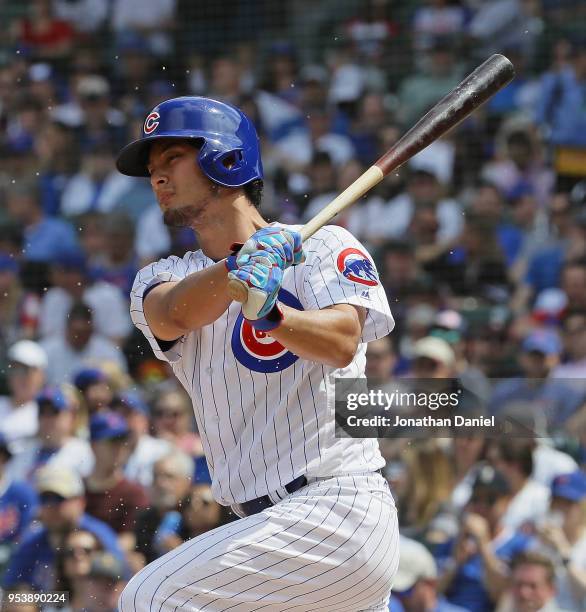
x: 234, y: 222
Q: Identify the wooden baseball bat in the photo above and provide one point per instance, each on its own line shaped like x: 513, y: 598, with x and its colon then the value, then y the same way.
x: 466, y: 97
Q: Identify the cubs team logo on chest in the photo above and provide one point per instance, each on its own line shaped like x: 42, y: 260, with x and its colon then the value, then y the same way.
x: 356, y: 266
x: 257, y: 350
x: 151, y: 123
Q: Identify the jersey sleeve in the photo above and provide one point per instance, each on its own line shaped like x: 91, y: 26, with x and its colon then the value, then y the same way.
x: 171, y: 269
x: 339, y: 270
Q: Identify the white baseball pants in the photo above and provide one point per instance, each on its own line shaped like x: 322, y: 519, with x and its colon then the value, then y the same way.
x: 333, y: 545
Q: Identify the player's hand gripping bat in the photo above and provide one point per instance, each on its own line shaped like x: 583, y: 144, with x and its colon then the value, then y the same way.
x: 473, y: 91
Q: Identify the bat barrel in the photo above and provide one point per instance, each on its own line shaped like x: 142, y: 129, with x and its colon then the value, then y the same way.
x: 473, y: 91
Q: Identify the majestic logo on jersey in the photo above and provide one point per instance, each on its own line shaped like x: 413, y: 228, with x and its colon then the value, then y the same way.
x: 151, y: 123
x: 357, y: 267
x: 256, y: 350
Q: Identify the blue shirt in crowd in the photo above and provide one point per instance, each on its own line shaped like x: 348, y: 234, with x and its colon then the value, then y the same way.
x: 562, y: 106
x: 48, y: 239
x: 467, y: 588
x: 18, y: 506
x: 33, y: 562
x: 553, y: 399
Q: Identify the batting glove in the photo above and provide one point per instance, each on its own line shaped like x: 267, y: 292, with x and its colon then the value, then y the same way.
x: 284, y: 244
x: 259, y: 270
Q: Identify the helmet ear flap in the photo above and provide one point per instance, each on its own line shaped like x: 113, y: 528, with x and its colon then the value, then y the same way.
x: 221, y: 166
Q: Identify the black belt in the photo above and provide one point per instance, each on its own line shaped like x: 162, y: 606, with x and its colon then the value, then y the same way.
x: 263, y: 502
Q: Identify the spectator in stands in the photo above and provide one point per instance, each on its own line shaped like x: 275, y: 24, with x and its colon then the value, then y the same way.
x: 98, y: 186
x: 523, y: 165
x: 399, y: 271
x: 560, y: 105
x: 57, y: 150
x: 468, y: 457
x: 381, y: 360
x: 79, y: 347
x: 101, y: 588
x: 97, y: 125
x: 498, y: 24
x: 44, y: 237
x: 62, y: 505
x: 119, y: 263
x: 421, y: 91
x: 312, y: 83
x: 134, y: 68
x: 529, y: 499
x: 416, y: 581
x: 430, y: 481
x: 320, y: 138
x: 144, y: 450
x: 423, y: 195
x: 199, y: 512
x: 172, y: 477
x: 433, y: 358
x: 554, y: 401
x: 81, y: 546
x: 27, y: 363
x: 46, y: 36
x: 365, y: 131
x: 281, y: 72
x: 26, y: 123
x: 574, y: 337
x: 87, y: 16
x: 533, y: 584
x: 95, y: 388
x: 573, y: 282
x: 474, y: 571
x: 543, y: 267
x: 71, y: 283
x: 55, y: 443
x: 437, y: 18
x: 18, y: 506
x: 477, y: 267
x: 172, y: 418
x: 562, y: 539
x: 155, y: 22
x: 109, y: 495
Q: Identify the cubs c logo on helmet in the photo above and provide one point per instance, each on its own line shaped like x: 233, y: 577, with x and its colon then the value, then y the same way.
x: 256, y: 350
x: 356, y: 266
x: 151, y: 123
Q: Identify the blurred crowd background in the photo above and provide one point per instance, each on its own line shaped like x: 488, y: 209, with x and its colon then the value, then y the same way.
x: 480, y: 242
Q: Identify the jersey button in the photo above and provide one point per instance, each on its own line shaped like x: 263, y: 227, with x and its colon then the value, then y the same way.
x: 209, y: 370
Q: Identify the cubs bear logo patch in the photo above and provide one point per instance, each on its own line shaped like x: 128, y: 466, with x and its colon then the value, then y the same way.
x: 257, y: 350
x: 356, y: 266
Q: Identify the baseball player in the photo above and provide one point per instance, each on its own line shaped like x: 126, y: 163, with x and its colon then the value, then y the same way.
x: 318, y: 528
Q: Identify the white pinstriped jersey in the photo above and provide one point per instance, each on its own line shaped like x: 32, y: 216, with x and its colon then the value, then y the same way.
x: 266, y: 416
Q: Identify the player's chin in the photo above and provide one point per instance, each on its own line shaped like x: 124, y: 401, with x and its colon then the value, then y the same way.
x: 180, y: 217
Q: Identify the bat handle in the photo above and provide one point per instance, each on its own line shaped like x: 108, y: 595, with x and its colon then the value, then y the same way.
x: 238, y: 290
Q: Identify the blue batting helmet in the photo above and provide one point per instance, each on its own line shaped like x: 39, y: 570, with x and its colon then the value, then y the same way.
x: 229, y: 151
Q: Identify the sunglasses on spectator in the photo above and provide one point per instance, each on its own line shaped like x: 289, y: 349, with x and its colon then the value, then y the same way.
x: 46, y: 409
x: 76, y: 550
x: 51, y: 499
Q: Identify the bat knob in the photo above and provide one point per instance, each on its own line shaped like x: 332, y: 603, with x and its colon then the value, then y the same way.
x: 238, y: 290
